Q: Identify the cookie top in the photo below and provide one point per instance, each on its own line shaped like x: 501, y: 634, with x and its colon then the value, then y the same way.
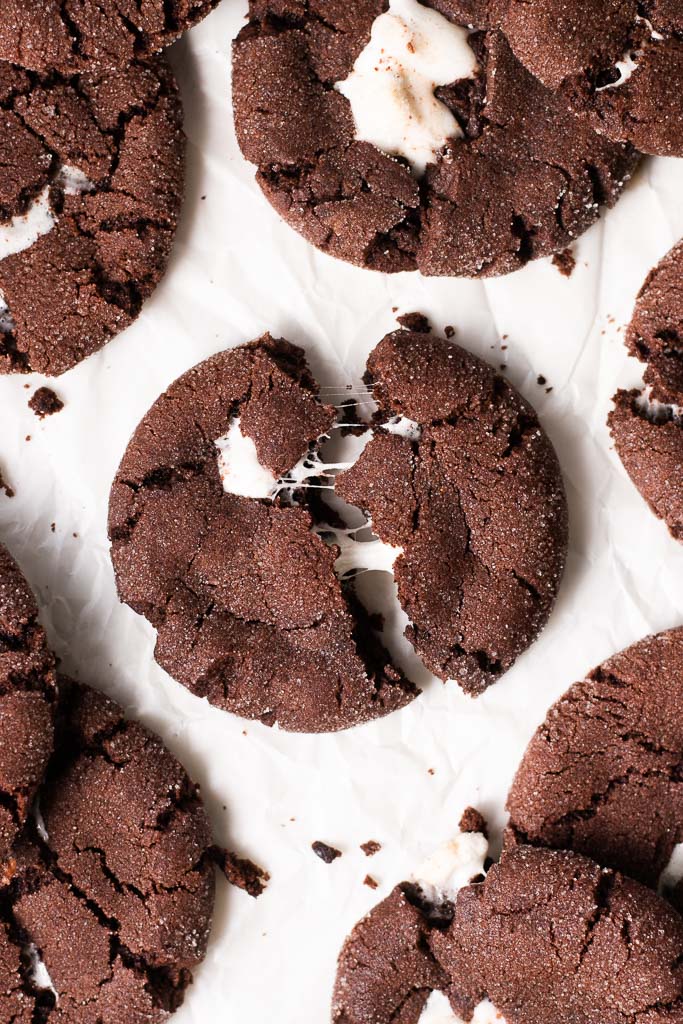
x: 655, y: 333
x: 524, y: 178
x: 547, y: 933
x: 71, y: 35
x: 242, y: 592
x: 618, y: 62
x: 27, y: 700
x: 92, y: 192
x: 603, y: 775
x: 116, y: 892
x: 470, y: 489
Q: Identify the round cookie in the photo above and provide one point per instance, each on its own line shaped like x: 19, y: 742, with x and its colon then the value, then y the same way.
x: 70, y: 35
x: 618, y: 62
x: 549, y: 936
x: 603, y: 775
x: 27, y: 698
x: 97, y: 167
x: 248, y: 610
x: 473, y: 495
x: 525, y: 179
x: 116, y: 893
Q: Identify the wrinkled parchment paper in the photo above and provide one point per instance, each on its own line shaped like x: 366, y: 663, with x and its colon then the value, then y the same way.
x: 237, y: 271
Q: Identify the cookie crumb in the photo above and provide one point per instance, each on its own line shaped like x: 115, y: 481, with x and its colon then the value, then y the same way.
x: 565, y: 262
x: 431, y: 771
x: 541, y: 381
x: 473, y: 821
x: 416, y: 322
x: 449, y: 331
x: 370, y: 882
x: 45, y: 403
x: 371, y: 847
x: 325, y: 852
x: 4, y: 486
x: 240, y: 871
x: 53, y: 527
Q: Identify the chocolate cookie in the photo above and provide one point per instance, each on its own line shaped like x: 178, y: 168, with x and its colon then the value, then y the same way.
x: 115, y: 894
x: 470, y: 489
x: 96, y: 161
x: 551, y: 936
x: 618, y: 62
x: 524, y: 178
x: 27, y: 699
x: 70, y: 35
x: 646, y: 426
x: 242, y: 592
x: 603, y: 775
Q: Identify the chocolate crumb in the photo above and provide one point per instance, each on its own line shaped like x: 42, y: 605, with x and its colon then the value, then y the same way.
x: 565, y: 262
x: 53, y: 527
x: 4, y: 486
x: 45, y: 403
x: 371, y: 847
x: 473, y: 821
x: 416, y: 322
x: 370, y: 882
x: 431, y: 771
x: 541, y: 380
x: 449, y: 331
x: 325, y: 852
x: 241, y: 872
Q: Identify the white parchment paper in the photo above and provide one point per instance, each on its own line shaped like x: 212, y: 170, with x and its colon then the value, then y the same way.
x: 237, y: 271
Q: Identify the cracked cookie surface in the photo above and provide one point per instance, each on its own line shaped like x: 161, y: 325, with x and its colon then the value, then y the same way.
x: 85, y: 278
x: 243, y: 594
x: 116, y: 893
x: 70, y: 35
x: 27, y: 700
x: 646, y: 426
x: 619, y: 63
x: 603, y: 774
x: 476, y: 502
x: 526, y: 178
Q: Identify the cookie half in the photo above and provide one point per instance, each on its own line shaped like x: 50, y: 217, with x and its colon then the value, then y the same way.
x: 647, y: 425
x: 71, y: 35
x: 603, y: 775
x: 112, y: 896
x: 241, y: 590
x: 27, y: 703
x: 462, y: 478
x: 517, y: 176
x: 619, y: 63
x: 91, y: 183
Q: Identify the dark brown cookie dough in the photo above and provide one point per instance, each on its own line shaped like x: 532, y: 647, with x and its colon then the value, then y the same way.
x: 523, y: 182
x: 477, y: 504
x: 85, y: 280
x: 70, y: 35
x: 243, y: 594
x: 27, y: 700
x: 549, y: 936
x: 116, y: 894
x: 576, y: 48
x: 603, y: 775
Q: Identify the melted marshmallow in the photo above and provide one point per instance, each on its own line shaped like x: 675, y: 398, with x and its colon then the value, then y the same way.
x: 438, y: 1011
x: 412, y: 50
x: 673, y: 872
x: 629, y: 62
x: 404, y: 427
x: 239, y: 467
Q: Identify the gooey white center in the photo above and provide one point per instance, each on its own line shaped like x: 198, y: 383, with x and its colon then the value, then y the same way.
x: 412, y: 50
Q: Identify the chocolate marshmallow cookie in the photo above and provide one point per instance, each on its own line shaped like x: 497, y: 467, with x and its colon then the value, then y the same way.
x: 110, y: 903
x: 462, y: 478
x: 91, y: 179
x: 513, y: 175
x: 646, y: 426
x: 70, y: 35
x: 27, y: 701
x: 619, y: 63
x: 603, y: 775
x: 242, y: 592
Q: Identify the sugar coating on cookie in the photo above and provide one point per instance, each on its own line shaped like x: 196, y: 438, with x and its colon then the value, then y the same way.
x: 473, y: 498
x: 242, y: 591
x: 89, y: 202
x: 71, y: 35
x: 603, y: 774
x: 646, y: 424
x: 619, y: 63
x: 27, y: 702
x: 519, y: 176
x: 111, y: 897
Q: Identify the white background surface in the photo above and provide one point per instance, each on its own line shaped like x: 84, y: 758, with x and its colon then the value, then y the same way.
x: 236, y: 272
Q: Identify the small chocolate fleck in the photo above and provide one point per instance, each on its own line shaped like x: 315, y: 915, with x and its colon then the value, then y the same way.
x: 45, y: 403
x: 449, y: 331
x: 240, y: 871
x: 541, y: 380
x: 473, y: 821
x: 565, y: 262
x: 371, y: 847
x: 370, y: 882
x: 325, y: 852
x: 4, y: 486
